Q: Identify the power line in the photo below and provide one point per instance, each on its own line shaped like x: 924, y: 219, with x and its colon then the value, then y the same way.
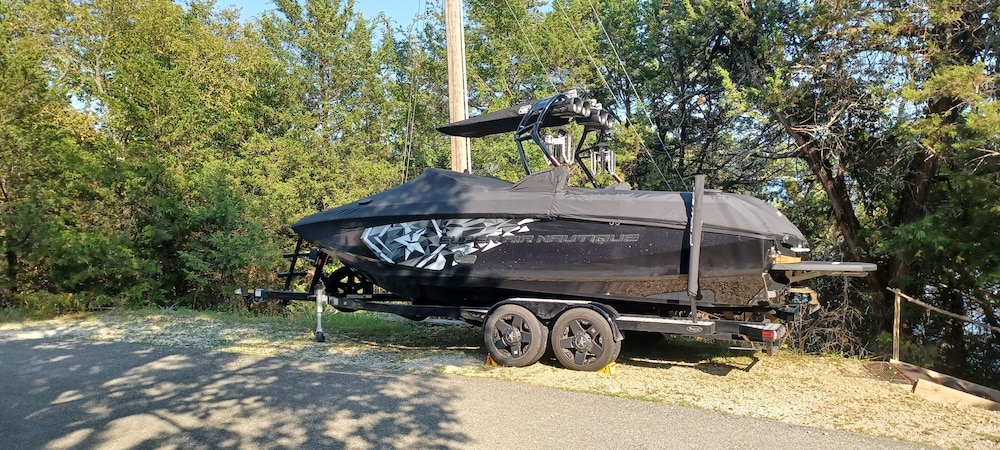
x: 538, y: 58
x: 628, y: 78
x: 593, y: 61
x: 418, y: 17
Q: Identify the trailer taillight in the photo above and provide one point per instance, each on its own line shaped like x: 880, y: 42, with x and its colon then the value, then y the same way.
x: 772, y: 335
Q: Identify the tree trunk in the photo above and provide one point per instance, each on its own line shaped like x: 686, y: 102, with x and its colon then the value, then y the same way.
x: 953, y: 350
x: 9, y: 285
x: 849, y: 227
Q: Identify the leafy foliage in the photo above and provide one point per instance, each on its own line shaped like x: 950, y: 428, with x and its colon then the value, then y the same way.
x: 155, y: 152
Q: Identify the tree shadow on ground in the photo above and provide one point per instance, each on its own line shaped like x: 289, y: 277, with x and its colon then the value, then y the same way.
x: 132, y: 396
x: 661, y: 352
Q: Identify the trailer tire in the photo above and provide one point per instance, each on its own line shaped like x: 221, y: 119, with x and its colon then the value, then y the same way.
x: 514, y: 337
x: 583, y: 339
x: 347, y: 281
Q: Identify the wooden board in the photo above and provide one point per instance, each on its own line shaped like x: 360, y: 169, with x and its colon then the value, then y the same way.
x: 944, y: 394
x: 985, y: 397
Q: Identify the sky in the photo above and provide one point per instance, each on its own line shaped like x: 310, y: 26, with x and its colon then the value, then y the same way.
x: 399, y: 11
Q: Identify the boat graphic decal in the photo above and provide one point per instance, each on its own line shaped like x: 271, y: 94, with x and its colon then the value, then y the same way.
x: 435, y: 244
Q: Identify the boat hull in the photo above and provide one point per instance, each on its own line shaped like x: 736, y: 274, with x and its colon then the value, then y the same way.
x: 480, y: 261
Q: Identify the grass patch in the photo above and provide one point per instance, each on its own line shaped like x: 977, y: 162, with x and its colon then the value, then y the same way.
x: 389, y: 329
x: 11, y: 315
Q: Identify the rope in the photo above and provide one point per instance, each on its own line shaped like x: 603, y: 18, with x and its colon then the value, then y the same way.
x: 939, y: 310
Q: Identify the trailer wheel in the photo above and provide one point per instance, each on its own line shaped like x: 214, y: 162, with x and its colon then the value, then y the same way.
x: 582, y: 339
x: 347, y: 281
x: 514, y: 337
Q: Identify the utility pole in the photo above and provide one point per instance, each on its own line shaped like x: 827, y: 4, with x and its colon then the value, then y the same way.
x: 458, y: 97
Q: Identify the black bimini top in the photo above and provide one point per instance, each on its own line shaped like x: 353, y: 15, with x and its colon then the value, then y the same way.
x: 502, y: 121
x: 441, y: 193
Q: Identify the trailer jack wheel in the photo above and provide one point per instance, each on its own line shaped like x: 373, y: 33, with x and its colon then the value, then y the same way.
x: 514, y: 337
x: 582, y: 339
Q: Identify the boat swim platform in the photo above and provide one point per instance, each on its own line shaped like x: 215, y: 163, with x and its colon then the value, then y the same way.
x: 805, y: 270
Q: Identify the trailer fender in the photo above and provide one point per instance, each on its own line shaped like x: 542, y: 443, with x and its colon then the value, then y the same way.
x: 547, y: 310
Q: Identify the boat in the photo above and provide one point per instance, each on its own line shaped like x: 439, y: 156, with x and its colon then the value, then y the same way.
x: 459, y: 239
x: 541, y: 265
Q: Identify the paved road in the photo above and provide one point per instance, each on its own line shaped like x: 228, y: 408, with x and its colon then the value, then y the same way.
x: 75, y: 394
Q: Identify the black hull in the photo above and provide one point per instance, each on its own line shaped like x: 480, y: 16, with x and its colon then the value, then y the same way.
x: 478, y: 262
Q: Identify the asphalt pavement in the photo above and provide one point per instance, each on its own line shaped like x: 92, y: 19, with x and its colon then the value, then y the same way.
x: 57, y: 394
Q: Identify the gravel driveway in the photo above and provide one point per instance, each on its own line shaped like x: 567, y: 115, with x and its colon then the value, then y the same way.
x: 824, y: 393
x: 71, y: 393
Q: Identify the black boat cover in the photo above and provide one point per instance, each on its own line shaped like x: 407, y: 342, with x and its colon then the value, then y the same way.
x: 441, y: 193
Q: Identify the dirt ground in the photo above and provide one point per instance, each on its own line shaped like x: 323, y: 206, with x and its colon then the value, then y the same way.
x: 823, y: 392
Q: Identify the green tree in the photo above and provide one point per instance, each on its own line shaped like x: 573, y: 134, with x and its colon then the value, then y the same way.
x: 122, y: 196
x: 947, y: 211
x: 47, y: 150
x: 340, y: 146
x: 890, y: 108
x: 420, y: 71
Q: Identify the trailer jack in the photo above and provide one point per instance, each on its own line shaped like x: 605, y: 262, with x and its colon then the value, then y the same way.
x: 321, y: 299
